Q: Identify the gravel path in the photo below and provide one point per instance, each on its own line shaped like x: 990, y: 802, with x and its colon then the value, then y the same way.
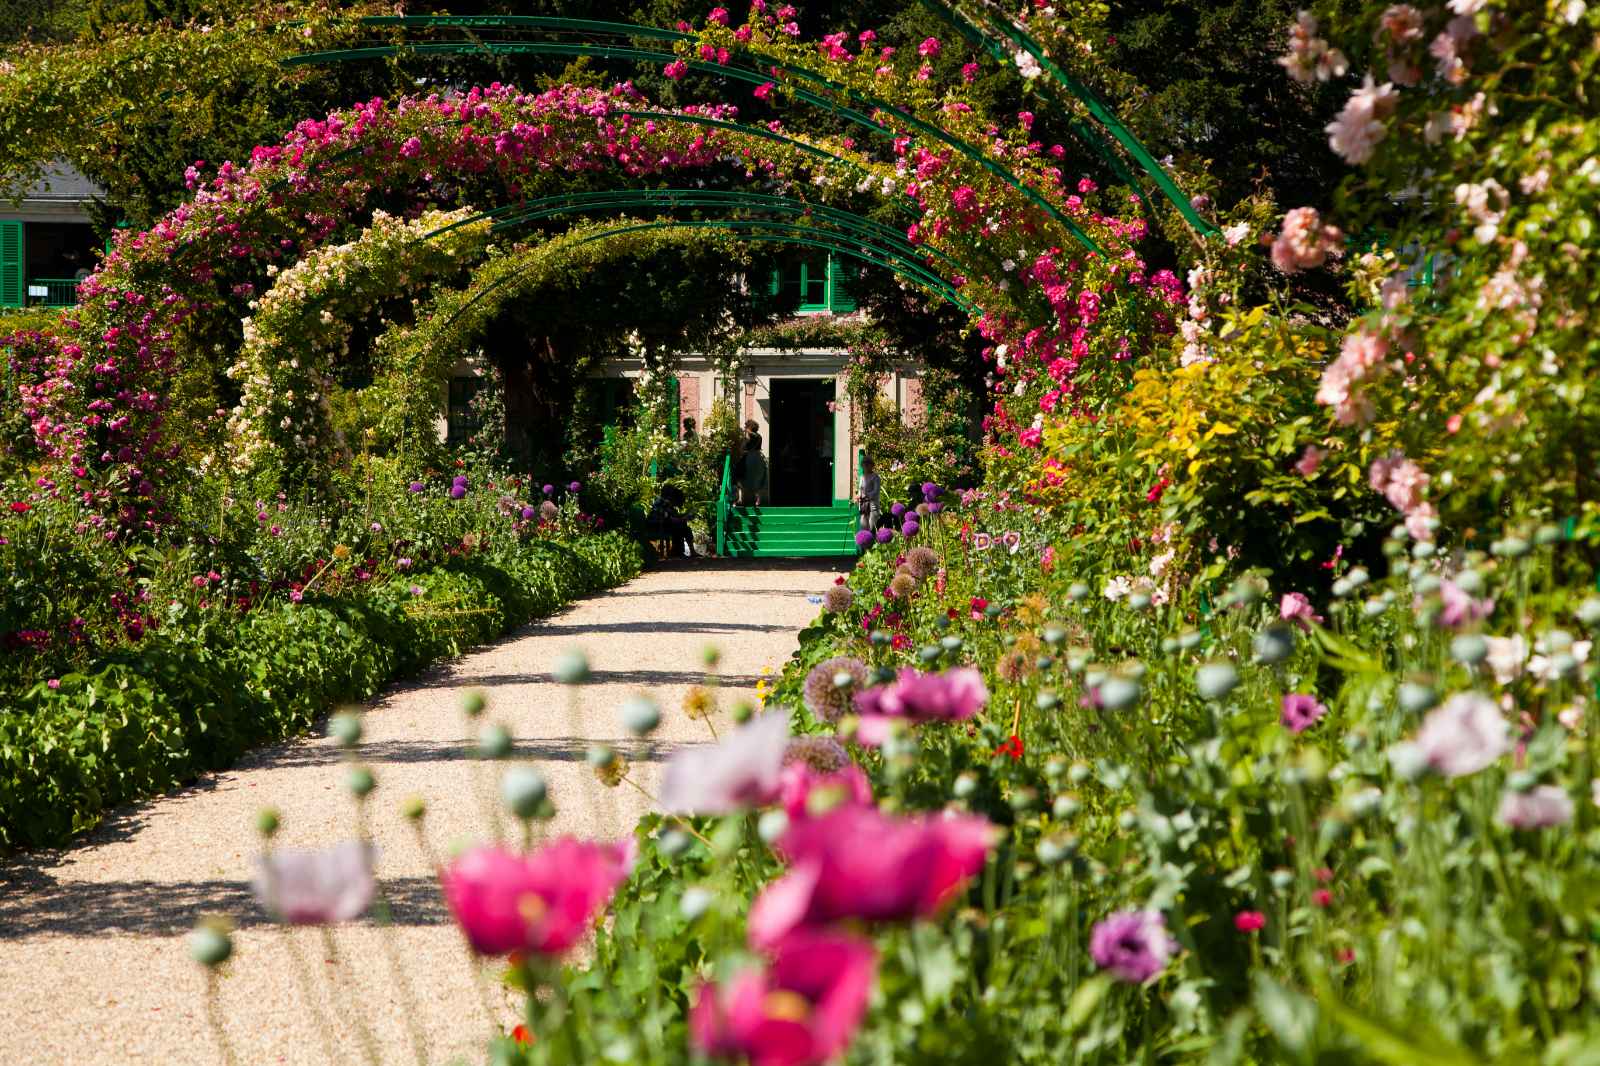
x: 93, y: 964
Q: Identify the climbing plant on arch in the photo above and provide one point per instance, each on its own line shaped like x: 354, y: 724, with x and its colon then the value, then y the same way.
x: 101, y: 412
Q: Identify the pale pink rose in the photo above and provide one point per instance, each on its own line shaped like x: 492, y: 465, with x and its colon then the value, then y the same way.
x: 1402, y: 22
x: 1358, y: 129
x: 1304, y: 242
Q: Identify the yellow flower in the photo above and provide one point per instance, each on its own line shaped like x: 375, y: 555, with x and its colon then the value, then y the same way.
x: 341, y: 552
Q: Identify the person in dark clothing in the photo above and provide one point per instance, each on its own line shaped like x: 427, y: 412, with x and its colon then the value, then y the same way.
x: 752, y: 467
x: 667, y: 522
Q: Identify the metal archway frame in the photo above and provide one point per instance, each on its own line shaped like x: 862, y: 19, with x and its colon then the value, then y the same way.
x: 754, y: 77
x: 997, y: 28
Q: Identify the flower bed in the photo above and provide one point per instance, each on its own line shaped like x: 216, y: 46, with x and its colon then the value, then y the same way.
x: 192, y: 698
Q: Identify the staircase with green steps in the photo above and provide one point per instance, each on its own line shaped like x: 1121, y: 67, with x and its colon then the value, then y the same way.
x: 790, y: 532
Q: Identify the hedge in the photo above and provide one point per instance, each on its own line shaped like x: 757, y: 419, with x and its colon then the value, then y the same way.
x: 193, y: 698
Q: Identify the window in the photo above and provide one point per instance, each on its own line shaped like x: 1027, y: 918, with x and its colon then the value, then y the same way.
x: 463, y: 421
x: 818, y: 284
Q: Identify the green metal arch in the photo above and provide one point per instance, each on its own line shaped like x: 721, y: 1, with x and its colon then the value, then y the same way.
x: 1098, y: 108
x: 997, y: 26
x: 756, y: 229
x: 717, y: 70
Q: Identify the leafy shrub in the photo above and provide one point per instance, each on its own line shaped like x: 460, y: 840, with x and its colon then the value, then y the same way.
x: 196, y: 694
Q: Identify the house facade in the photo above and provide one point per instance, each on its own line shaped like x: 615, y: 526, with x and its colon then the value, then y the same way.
x: 796, y: 397
x: 47, y: 240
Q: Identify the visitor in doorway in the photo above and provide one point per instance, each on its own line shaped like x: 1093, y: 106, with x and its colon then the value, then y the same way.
x: 666, y: 522
x: 867, y: 490
x: 753, y: 467
x: 688, y: 431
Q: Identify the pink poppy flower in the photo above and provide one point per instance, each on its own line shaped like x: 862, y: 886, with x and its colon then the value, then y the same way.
x: 801, y: 1010
x: 1297, y: 609
x: 543, y: 902
x: 856, y: 862
x: 742, y: 771
x: 833, y: 788
x: 952, y: 696
x: 316, y: 887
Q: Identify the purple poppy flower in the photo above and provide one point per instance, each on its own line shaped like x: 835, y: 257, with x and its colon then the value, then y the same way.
x: 415, y: 486
x: 952, y: 696
x: 1133, y: 945
x: 863, y: 538
x: 1301, y: 712
x: 885, y: 535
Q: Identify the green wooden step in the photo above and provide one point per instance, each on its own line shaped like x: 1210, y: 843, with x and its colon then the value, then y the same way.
x: 778, y: 532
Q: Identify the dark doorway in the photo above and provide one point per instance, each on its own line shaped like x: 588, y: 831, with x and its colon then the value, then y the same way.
x: 801, y: 448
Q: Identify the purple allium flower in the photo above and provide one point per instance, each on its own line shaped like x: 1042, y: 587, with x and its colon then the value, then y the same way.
x: 827, y: 700
x: 415, y: 486
x: 885, y: 535
x: 457, y: 491
x: 528, y: 513
x: 935, y: 507
x: 548, y: 489
x: 1465, y: 735
x: 898, y: 509
x: 459, y: 479
x: 930, y: 491
x: 1301, y: 712
x: 838, y: 599
x: 1537, y: 808
x: 576, y: 486
x: 823, y: 754
x: 316, y: 887
x: 911, y: 528
x: 1133, y: 945
x: 863, y: 537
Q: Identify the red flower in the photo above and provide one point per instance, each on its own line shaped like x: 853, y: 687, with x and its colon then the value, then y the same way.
x: 1347, y: 955
x: 1154, y: 495
x: 21, y: 508
x: 1012, y: 747
x: 1322, y: 897
x: 1323, y: 875
x: 901, y: 642
x: 1249, y: 921
x: 522, y: 1036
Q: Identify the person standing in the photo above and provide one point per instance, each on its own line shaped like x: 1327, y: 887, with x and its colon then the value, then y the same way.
x: 867, y: 492
x: 753, y: 467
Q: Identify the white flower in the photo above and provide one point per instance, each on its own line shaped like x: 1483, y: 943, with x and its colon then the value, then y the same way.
x: 740, y: 772
x: 1236, y: 233
x: 1027, y: 65
x: 1506, y: 656
x: 1548, y: 664
x: 1117, y: 588
x: 1159, y: 564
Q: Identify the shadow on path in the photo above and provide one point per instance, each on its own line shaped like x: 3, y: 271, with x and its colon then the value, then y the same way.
x: 33, y: 903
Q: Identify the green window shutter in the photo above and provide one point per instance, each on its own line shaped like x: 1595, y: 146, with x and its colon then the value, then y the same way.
x: 775, y: 283
x: 841, y: 301
x: 11, y: 280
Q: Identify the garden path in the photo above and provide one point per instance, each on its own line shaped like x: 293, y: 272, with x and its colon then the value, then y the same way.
x: 93, y: 962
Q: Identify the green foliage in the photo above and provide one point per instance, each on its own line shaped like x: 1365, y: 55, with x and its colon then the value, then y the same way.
x: 195, y: 695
